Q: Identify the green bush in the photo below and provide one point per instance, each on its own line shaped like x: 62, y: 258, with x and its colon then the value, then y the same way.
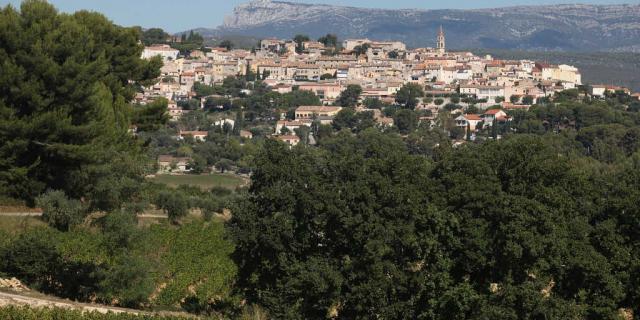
x: 174, y: 204
x: 59, y: 211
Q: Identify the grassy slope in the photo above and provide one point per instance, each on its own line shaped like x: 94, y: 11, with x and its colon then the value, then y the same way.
x: 17, y: 225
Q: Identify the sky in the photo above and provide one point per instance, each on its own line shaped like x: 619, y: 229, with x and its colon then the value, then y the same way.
x: 175, y: 15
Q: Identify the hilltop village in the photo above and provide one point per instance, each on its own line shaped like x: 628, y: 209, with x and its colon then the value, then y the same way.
x: 476, y: 91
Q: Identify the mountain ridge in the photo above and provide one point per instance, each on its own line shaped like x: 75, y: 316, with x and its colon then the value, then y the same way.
x: 564, y: 27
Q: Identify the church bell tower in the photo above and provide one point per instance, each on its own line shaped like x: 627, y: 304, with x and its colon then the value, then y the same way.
x: 440, y: 42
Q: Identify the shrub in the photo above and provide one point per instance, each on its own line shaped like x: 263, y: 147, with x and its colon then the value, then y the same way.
x: 174, y: 204
x: 59, y: 211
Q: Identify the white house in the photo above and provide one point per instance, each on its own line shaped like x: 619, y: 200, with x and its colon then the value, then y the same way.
x: 169, y: 163
x: 292, y: 125
x: 494, y: 114
x: 197, y: 135
x: 468, y: 121
x: 220, y: 123
x: 165, y: 51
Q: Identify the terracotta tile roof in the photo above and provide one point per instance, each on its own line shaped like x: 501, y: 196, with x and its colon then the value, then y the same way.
x: 493, y: 111
x: 317, y: 109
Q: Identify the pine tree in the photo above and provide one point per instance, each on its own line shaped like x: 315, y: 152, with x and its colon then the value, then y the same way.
x: 65, y: 88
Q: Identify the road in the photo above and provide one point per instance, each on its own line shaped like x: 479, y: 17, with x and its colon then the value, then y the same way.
x: 20, y: 214
x: 39, y: 214
x: 28, y: 299
x: 34, y: 302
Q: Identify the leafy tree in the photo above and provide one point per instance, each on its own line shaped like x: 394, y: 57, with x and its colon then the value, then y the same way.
x: 330, y: 40
x: 190, y: 104
x: 457, y: 133
x: 527, y: 100
x: 227, y: 44
x: 311, y: 241
x: 198, y: 164
x: 195, y: 37
x: 405, y: 120
x: 203, y: 90
x: 224, y: 165
x: 59, y: 211
x: 303, y: 134
x: 127, y: 280
x: 345, y: 119
x: 173, y: 203
x: 154, y: 36
x: 472, y: 109
x: 350, y: 96
x: 452, y: 106
x: 323, y: 132
x: 365, y: 120
x: 438, y: 101
x: 217, y: 104
x: 33, y: 258
x: 210, y: 206
x: 65, y: 108
x: 299, y: 39
x: 362, y: 49
x: 327, y: 76
x: 151, y: 117
x: 427, y: 142
x: 408, y: 95
x: 373, y: 103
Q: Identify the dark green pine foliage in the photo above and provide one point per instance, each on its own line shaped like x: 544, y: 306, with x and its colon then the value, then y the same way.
x: 65, y: 85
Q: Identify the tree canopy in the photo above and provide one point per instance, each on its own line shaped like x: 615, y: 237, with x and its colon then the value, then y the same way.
x: 408, y: 95
x: 350, y: 96
x: 364, y: 227
x: 64, y: 91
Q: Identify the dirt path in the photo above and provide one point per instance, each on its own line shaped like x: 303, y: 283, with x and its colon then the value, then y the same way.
x: 39, y: 214
x: 35, y: 302
x: 26, y: 299
x: 20, y: 214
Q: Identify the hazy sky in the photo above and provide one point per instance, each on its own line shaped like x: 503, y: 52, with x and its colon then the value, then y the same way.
x: 177, y: 15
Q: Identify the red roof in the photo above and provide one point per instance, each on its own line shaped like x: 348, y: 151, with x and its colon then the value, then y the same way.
x: 288, y: 138
x: 194, y: 133
x: 493, y: 111
x: 472, y: 117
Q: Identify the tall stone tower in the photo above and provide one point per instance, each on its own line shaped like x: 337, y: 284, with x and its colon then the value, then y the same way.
x: 440, y: 45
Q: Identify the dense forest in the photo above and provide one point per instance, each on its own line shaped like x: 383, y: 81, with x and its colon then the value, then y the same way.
x: 535, y: 219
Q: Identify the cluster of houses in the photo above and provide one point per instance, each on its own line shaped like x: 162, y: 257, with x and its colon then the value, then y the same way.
x: 380, y: 68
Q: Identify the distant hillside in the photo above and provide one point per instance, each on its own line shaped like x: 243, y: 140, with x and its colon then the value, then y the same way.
x: 559, y: 27
x: 597, y: 67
